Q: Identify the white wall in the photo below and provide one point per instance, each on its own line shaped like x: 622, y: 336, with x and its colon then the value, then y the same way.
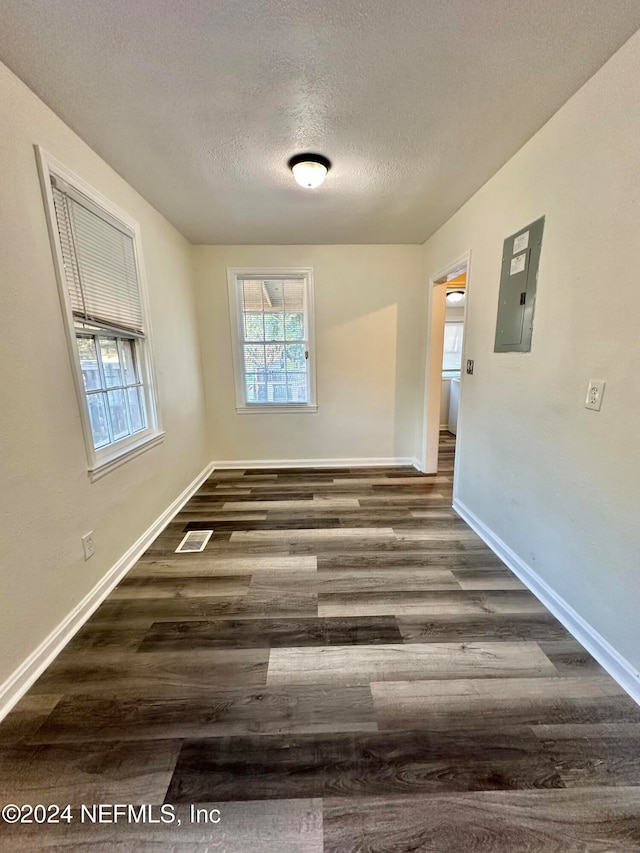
x: 560, y: 484
x: 46, y: 499
x: 368, y: 336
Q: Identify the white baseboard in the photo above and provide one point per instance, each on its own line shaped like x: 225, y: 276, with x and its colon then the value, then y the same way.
x: 21, y: 680
x: 364, y: 462
x: 607, y: 656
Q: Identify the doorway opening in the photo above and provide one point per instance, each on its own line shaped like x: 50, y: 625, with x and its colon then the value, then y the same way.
x: 448, y: 299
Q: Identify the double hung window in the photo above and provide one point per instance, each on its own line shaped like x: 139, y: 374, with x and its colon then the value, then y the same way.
x: 272, y: 334
x: 97, y: 255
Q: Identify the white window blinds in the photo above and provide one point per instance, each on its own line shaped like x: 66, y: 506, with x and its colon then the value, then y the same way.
x: 99, y: 264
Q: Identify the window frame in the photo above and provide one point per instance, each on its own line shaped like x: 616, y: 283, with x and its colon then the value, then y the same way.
x: 234, y: 276
x: 105, y: 459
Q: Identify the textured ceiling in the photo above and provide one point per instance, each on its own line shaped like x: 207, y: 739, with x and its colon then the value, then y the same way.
x: 200, y: 103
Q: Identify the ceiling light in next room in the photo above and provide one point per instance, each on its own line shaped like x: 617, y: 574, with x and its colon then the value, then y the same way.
x: 455, y: 297
x: 309, y: 170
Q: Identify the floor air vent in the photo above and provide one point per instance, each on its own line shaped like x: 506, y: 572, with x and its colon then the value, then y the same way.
x: 195, y: 540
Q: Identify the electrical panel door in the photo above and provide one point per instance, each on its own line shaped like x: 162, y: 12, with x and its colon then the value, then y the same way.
x: 520, y: 259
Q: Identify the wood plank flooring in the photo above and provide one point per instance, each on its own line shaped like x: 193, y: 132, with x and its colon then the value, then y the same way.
x: 346, y: 668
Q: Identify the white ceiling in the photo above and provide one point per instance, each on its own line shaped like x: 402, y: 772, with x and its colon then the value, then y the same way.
x: 200, y: 103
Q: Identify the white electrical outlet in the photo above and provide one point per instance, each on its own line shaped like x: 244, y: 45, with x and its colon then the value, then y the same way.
x: 89, y: 545
x: 594, y: 394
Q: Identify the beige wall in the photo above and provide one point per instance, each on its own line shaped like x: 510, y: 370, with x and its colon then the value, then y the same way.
x: 46, y: 499
x: 560, y: 484
x: 368, y: 332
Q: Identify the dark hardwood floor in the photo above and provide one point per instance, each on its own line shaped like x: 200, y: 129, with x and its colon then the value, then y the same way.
x: 346, y: 667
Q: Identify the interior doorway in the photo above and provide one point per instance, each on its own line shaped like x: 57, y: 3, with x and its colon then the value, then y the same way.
x: 448, y: 300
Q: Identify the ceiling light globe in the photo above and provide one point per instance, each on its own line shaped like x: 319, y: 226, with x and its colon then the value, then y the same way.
x: 309, y: 174
x: 455, y: 297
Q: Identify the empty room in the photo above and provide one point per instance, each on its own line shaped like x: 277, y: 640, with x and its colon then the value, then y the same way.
x: 318, y: 426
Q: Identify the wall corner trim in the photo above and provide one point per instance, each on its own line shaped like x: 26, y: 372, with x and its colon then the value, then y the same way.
x: 618, y: 667
x: 34, y: 665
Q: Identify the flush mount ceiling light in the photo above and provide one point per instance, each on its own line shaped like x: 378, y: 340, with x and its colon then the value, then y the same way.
x: 454, y: 297
x: 309, y: 170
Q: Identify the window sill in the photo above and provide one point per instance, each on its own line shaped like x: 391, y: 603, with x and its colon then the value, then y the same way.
x: 259, y: 409
x: 108, y: 464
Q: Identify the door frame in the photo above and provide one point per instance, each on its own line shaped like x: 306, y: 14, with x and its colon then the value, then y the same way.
x: 428, y: 456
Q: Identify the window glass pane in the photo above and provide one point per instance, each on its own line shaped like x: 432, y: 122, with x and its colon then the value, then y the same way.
x: 89, y: 363
x: 118, y: 412
x: 274, y: 327
x: 98, y: 418
x: 280, y: 393
x: 256, y: 392
x: 273, y: 295
x: 251, y: 381
x: 254, y: 357
x: 274, y: 354
x: 297, y: 389
x: 276, y: 386
x: 294, y: 327
x: 295, y: 357
x: 252, y: 296
x: 136, y: 409
x: 294, y: 295
x: 452, y: 352
x: 110, y: 362
x: 253, y: 327
x: 128, y: 361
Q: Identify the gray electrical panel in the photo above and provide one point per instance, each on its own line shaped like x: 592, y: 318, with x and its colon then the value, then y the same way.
x: 520, y: 259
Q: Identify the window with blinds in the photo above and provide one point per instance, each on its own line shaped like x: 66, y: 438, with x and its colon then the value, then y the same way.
x: 99, y: 264
x: 96, y: 257
x: 273, y: 355
x: 452, y: 352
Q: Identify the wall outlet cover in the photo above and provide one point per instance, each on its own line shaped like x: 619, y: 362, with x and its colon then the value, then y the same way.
x: 88, y: 545
x: 595, y: 392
